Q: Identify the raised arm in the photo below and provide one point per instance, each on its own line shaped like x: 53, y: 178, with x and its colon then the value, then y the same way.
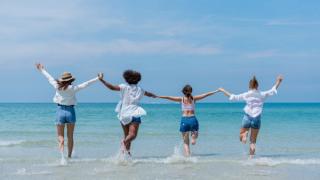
x: 171, y: 98
x: 225, y: 92
x: 107, y: 84
x: 202, y: 96
x: 51, y: 80
x: 233, y: 97
x: 85, y: 84
x: 273, y: 90
x: 278, y: 81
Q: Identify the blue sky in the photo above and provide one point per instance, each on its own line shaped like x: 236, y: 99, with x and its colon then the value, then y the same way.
x: 206, y: 43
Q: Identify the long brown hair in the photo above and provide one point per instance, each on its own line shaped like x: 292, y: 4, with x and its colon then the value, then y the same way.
x: 253, y: 84
x: 187, y: 91
x: 63, y: 85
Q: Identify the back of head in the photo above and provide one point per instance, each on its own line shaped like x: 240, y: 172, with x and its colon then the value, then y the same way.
x: 253, y: 84
x: 63, y: 85
x: 131, y: 76
x: 187, y: 91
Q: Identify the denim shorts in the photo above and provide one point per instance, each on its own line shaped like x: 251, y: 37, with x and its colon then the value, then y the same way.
x: 136, y: 120
x: 65, y: 114
x: 189, y: 124
x: 251, y: 122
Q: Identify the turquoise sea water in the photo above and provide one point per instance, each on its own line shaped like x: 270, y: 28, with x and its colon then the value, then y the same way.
x: 288, y: 145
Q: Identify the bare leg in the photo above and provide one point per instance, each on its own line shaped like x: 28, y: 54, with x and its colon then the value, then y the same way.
x: 125, y: 134
x: 60, y: 133
x: 70, y: 130
x: 185, y: 137
x: 194, y: 136
x: 253, y: 139
x: 243, y: 135
x: 133, y: 132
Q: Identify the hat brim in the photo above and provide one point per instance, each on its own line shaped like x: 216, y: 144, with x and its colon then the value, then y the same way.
x: 65, y: 80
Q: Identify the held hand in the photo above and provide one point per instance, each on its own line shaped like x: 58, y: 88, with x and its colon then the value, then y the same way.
x: 100, y: 76
x: 221, y: 90
x: 39, y: 66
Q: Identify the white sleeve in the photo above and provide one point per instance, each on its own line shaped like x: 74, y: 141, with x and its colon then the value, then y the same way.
x: 270, y: 92
x: 239, y: 97
x: 122, y: 87
x: 51, y: 80
x: 85, y: 84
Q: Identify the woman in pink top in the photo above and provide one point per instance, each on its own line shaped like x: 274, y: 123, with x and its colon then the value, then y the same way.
x: 254, y: 103
x: 189, y: 123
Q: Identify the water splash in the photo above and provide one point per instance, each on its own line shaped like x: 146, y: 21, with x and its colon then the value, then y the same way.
x: 121, y: 158
x: 63, y: 161
x: 178, y: 157
x: 263, y: 161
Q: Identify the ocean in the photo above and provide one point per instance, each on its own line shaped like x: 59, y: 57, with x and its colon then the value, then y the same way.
x: 288, y: 145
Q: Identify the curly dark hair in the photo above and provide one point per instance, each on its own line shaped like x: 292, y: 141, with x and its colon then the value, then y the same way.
x: 131, y: 76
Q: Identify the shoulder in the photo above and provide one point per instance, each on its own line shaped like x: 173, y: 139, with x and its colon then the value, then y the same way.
x: 123, y: 86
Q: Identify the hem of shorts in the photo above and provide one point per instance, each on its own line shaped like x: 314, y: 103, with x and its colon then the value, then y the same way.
x: 64, y: 123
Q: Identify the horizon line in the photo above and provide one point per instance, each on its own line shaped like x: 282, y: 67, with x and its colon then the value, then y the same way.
x: 275, y: 102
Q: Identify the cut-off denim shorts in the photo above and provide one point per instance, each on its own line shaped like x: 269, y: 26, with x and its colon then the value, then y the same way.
x: 65, y: 114
x: 189, y: 124
x: 136, y: 120
x: 251, y: 122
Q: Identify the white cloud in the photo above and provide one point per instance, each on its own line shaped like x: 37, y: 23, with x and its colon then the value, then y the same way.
x: 279, y: 54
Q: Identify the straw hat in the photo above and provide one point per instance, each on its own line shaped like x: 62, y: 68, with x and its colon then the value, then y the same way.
x: 66, y: 76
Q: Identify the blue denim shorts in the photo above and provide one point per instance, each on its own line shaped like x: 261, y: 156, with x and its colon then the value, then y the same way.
x: 65, y: 114
x: 136, y: 120
x: 251, y: 122
x: 189, y: 124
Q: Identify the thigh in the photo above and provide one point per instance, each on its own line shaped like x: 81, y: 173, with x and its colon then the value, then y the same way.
x: 60, y: 130
x: 243, y: 131
x: 125, y: 129
x: 185, y: 136
x: 133, y: 128
x: 254, y: 135
x: 70, y: 129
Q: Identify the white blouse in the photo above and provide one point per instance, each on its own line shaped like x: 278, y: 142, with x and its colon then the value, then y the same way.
x: 128, y: 106
x: 254, y: 100
x: 66, y: 97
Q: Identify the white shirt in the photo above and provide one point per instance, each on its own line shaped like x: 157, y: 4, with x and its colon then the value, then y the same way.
x: 128, y: 106
x: 254, y: 100
x: 66, y: 97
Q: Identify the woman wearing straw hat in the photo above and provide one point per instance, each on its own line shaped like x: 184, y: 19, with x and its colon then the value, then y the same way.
x: 65, y: 98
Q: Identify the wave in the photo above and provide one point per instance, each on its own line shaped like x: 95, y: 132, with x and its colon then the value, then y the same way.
x: 263, y: 161
x: 177, y: 159
x: 23, y: 171
x: 11, y: 143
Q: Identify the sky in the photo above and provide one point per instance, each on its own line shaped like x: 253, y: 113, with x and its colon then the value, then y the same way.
x: 205, y: 43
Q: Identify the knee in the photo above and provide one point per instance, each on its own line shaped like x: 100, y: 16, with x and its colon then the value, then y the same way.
x: 133, y: 136
x: 61, y: 140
